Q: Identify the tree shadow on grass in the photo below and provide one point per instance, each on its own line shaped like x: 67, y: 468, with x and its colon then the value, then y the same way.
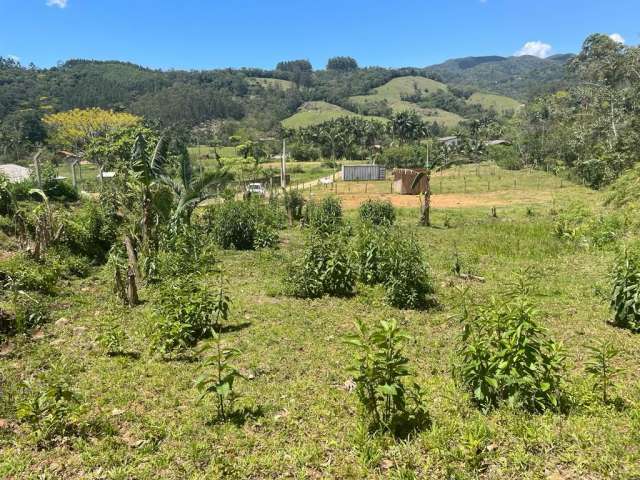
x: 128, y: 355
x: 235, y: 327
x: 239, y: 416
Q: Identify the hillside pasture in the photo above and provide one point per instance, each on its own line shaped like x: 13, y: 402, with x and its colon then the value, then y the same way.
x: 314, y: 113
x: 499, y: 103
x: 393, y: 92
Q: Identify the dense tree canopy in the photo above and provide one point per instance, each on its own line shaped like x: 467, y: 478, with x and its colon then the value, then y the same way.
x: 342, y: 64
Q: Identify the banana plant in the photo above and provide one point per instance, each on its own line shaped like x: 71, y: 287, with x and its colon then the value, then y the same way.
x: 191, y: 190
x: 147, y: 170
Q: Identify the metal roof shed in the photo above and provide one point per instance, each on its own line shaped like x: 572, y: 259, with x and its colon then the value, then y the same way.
x: 351, y: 173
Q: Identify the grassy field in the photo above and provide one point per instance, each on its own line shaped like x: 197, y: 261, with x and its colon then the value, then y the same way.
x: 395, y: 89
x: 304, y: 422
x: 499, y: 103
x: 272, y: 82
x: 313, y: 113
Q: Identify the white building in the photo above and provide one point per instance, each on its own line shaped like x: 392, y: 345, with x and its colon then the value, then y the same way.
x: 15, y: 173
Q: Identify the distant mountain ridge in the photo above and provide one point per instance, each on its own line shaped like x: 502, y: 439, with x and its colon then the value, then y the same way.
x: 518, y: 77
x: 263, y: 98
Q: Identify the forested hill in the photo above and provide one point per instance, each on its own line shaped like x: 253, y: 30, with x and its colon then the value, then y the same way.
x: 191, y: 97
x: 518, y: 77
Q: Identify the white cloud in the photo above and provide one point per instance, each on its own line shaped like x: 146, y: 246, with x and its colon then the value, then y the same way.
x: 616, y: 37
x: 57, y: 3
x: 537, y: 49
x: 15, y: 58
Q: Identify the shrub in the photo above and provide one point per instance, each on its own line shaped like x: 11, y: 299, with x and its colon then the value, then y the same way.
x: 293, y: 204
x: 625, y: 295
x: 506, y: 357
x: 325, y: 217
x: 186, y: 250
x: 303, y: 153
x: 377, y: 212
x: 27, y: 274
x: 370, y: 248
x: 505, y: 156
x: 324, y: 269
x: 186, y: 312
x: 243, y: 225
x: 91, y: 231
x: 569, y: 221
x: 407, y: 280
x: 379, y: 371
x: 404, y: 156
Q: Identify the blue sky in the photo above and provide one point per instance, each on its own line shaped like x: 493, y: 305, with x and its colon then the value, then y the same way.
x: 198, y: 34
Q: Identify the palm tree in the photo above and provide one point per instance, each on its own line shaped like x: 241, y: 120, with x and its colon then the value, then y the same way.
x: 407, y: 126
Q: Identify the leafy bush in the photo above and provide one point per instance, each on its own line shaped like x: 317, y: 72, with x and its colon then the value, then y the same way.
x: 568, y: 222
x: 377, y: 212
x: 506, y: 357
x: 293, y: 204
x: 325, y: 217
x: 404, y: 156
x: 27, y: 274
x: 407, y: 280
x: 186, y: 250
x: 243, y: 225
x: 625, y: 295
x: 187, y: 313
x: 379, y: 373
x: 67, y: 265
x: 303, y: 153
x: 91, y: 231
x: 324, y: 269
x: 370, y: 248
x: 505, y: 156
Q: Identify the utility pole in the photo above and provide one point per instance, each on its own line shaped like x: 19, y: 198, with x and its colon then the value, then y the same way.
x: 283, y: 167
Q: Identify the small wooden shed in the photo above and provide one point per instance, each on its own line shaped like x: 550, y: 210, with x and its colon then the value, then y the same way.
x: 351, y: 173
x: 403, y: 181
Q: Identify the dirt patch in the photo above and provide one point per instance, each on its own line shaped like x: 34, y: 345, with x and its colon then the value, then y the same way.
x: 451, y: 200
